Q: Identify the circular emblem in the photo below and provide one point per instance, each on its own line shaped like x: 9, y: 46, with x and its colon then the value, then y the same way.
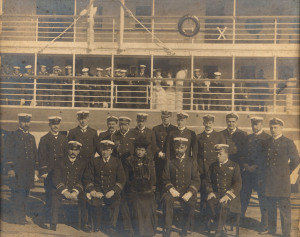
x: 188, y: 26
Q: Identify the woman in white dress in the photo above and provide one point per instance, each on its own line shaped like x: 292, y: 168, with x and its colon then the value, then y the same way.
x: 159, y: 93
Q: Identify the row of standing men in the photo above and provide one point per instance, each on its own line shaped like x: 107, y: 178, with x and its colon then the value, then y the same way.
x: 258, y: 159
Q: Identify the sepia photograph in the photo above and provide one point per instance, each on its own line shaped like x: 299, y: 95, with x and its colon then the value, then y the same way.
x: 144, y: 118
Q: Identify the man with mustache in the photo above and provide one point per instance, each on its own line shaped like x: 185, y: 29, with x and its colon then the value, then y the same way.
x: 112, y: 122
x: 67, y: 177
x: 84, y: 134
x: 52, y: 147
x: 22, y: 166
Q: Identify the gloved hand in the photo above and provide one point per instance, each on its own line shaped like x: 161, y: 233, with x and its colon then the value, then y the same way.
x: 224, y: 199
x: 186, y: 197
x: 67, y: 195
x: 211, y: 195
x: 110, y: 194
x: 161, y: 155
x: 93, y: 193
x: 44, y: 176
x: 11, y: 173
x: 174, y: 192
x: 36, y: 176
x: 74, y: 196
x: 99, y: 195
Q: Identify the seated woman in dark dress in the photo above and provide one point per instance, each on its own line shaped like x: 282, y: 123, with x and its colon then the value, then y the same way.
x: 139, y: 189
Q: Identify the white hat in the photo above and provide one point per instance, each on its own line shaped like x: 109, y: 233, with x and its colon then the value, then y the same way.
x: 69, y: 66
x: 108, y: 68
x: 217, y: 74
x: 16, y: 67
x: 24, y: 115
x: 43, y: 66
x: 123, y: 70
x: 112, y: 118
x: 220, y: 146
x: 180, y: 139
x: 99, y: 69
x: 143, y: 65
x: 276, y: 121
x: 85, y: 69
x: 197, y: 70
x: 182, y: 115
x: 256, y: 118
x: 83, y: 112
x: 107, y: 142
x: 54, y: 117
x: 75, y: 143
x: 28, y: 66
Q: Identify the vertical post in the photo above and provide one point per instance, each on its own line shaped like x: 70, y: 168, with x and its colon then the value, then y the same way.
x: 113, y: 30
x: 192, y: 83
x: 275, y: 86
x: 75, y: 15
x: 151, y: 83
x: 112, y: 82
x: 37, y: 29
x: 73, y: 81
x: 152, y: 20
x: 275, y: 31
x: 233, y: 84
x: 233, y: 21
x: 35, y: 78
x: 91, y: 33
x: 121, y: 30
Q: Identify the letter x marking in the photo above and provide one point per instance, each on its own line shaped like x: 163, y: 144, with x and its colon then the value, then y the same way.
x: 222, y: 31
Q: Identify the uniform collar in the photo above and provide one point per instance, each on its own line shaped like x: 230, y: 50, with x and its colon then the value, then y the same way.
x: 141, y: 130
x: 223, y: 163
x: 72, y: 160
x: 54, y: 134
x: 258, y: 133
x: 123, y: 134
x: 106, y: 161
x: 208, y: 132
x: 277, y: 137
x: 24, y: 131
x: 181, y: 158
x: 232, y: 132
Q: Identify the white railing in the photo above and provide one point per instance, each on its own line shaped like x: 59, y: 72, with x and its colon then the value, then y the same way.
x: 213, y: 29
x: 259, y: 95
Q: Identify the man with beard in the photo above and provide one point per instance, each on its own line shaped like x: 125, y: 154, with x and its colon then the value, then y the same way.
x: 67, y: 177
x: 22, y: 166
x: 84, y: 134
x: 182, y: 131
x: 161, y: 133
x: 253, y: 169
x: 141, y: 129
x: 112, y: 122
x: 104, y: 179
x: 206, y: 154
x: 52, y: 148
x: 124, y: 146
x: 235, y: 138
x: 181, y: 182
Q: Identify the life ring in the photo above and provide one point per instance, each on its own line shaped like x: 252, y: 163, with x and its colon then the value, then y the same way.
x: 196, y: 27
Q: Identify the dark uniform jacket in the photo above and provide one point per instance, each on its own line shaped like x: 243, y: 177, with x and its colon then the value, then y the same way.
x: 183, y: 176
x: 124, y: 145
x: 152, y: 149
x: 50, y: 150
x: 67, y: 175
x: 104, y: 176
x: 22, y: 158
x: 140, y: 174
x: 256, y: 153
x: 282, y: 159
x: 191, y: 150
x: 237, y: 143
x: 161, y: 134
x: 225, y: 180
x: 206, y: 154
x: 88, y: 140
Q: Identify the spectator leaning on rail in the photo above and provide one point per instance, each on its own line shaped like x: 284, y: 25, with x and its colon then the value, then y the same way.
x: 22, y: 166
x: 52, y: 147
x: 282, y: 159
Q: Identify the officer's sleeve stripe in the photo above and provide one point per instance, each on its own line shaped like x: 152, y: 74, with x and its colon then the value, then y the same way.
x: 75, y: 190
x: 169, y: 185
x: 59, y: 185
x: 119, y: 185
x: 44, y: 167
x: 231, y: 194
x: 193, y: 187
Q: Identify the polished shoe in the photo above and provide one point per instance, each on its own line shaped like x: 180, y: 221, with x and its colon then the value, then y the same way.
x: 87, y: 228
x: 53, y: 227
x: 167, y: 233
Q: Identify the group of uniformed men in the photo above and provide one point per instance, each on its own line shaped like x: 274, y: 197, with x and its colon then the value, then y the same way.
x: 225, y: 166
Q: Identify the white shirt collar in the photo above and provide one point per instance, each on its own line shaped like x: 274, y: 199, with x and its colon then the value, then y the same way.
x: 84, y: 128
x: 54, y: 134
x: 106, y: 161
x: 259, y: 132
x: 23, y: 130
x: 141, y: 129
x: 277, y: 137
x: 208, y: 132
x: 181, y: 158
x: 123, y: 134
x: 72, y: 160
x: 223, y: 162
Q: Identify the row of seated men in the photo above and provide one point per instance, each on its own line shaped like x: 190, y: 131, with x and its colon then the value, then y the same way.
x: 139, y: 168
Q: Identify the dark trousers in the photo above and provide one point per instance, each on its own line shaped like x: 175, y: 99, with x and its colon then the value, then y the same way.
x: 159, y: 167
x: 284, y: 206
x: 218, y: 212
x: 56, y: 198
x: 188, y: 211
x: 251, y: 182
x: 48, y: 185
x: 18, y: 206
x: 125, y: 214
x: 108, y: 206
